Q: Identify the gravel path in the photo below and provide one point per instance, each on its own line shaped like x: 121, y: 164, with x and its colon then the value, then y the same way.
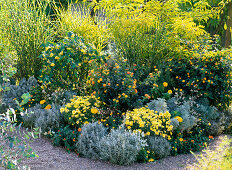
x: 57, y: 158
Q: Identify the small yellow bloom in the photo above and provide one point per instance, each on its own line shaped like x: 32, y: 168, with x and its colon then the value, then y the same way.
x: 179, y: 119
x: 170, y: 91
x: 52, y: 64
x: 181, y: 139
x: 151, y: 160
x: 51, y: 55
x: 62, y: 110
x: 61, y: 53
x: 57, y: 58
x: 94, y: 110
x: 42, y: 101
x: 165, y: 84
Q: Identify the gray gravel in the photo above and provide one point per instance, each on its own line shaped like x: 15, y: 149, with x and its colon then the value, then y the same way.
x: 51, y: 157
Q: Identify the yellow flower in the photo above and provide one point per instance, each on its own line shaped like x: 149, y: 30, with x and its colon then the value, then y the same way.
x: 170, y: 91
x: 48, y: 107
x: 165, y: 84
x: 51, y: 55
x: 61, y: 53
x: 94, y: 110
x: 52, y: 64
x: 148, y: 133
x: 181, y: 139
x: 151, y: 160
x: 57, y: 58
x: 62, y: 110
x: 179, y: 119
x: 42, y: 101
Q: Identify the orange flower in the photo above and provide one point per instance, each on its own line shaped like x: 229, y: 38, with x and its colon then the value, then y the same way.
x: 79, y: 129
x: 192, y: 141
x: 104, y: 85
x: 48, y: 107
x: 108, y: 84
x: 74, y: 139
x: 210, y: 137
x: 181, y: 139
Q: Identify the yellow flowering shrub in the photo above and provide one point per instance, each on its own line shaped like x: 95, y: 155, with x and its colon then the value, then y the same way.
x: 149, y: 122
x: 81, y: 110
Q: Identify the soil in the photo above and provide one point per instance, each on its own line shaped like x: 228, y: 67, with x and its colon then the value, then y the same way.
x: 58, y: 158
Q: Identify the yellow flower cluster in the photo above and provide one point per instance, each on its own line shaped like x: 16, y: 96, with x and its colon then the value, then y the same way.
x: 150, y: 122
x: 81, y: 109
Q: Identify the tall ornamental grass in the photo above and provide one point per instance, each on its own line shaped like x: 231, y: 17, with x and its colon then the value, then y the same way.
x: 24, y: 26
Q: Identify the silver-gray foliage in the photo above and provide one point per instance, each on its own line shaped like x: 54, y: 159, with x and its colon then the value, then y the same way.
x: 46, y: 119
x: 89, y: 138
x: 61, y: 97
x: 214, y: 116
x: 159, y: 105
x: 159, y: 145
x: 121, y: 146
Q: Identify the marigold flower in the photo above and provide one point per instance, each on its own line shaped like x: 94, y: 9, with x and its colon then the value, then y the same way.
x: 52, y: 64
x: 165, y: 84
x: 181, y: 139
x: 151, y: 160
x: 48, y: 107
x: 79, y: 129
x: 42, y: 101
x: 179, y: 119
x: 94, y: 110
x: 170, y: 91
x: 104, y: 85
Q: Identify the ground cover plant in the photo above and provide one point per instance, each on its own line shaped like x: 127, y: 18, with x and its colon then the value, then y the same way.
x: 120, y: 81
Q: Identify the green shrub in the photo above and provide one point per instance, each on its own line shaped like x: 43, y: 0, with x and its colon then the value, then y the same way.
x: 121, y: 87
x: 65, y: 136
x: 206, y: 76
x: 88, y: 141
x: 66, y: 63
x: 28, y: 27
x: 193, y: 140
x: 121, y: 147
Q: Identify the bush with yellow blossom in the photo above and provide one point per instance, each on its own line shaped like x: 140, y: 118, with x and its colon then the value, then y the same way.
x: 81, y: 110
x: 66, y: 63
x: 149, y: 122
